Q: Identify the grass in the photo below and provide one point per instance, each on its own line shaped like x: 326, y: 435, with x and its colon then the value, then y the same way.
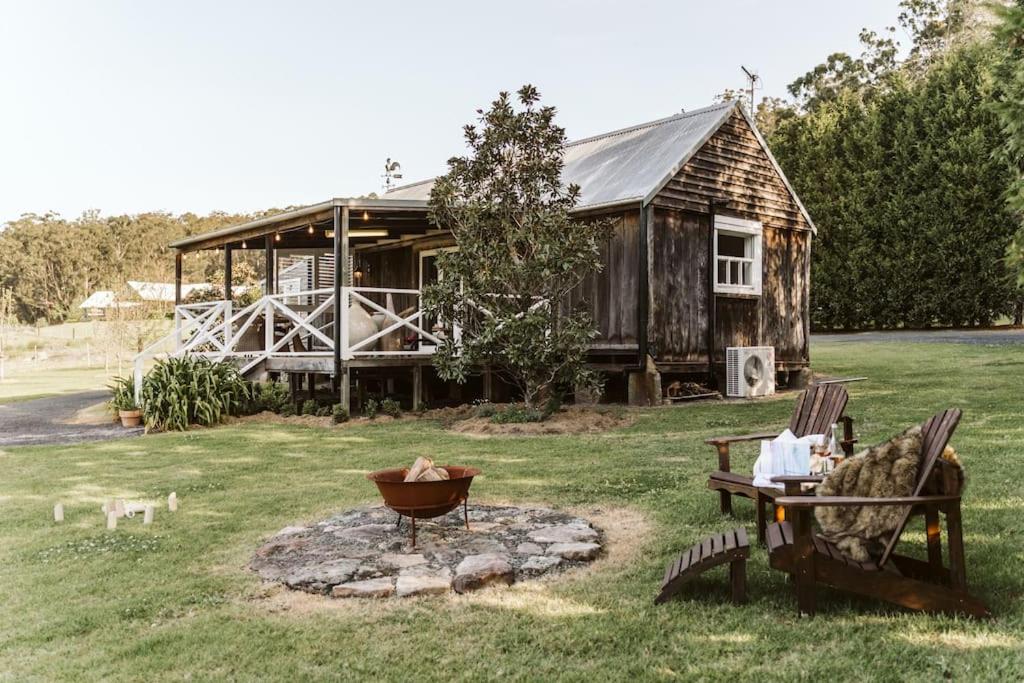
x: 175, y: 600
x: 25, y: 385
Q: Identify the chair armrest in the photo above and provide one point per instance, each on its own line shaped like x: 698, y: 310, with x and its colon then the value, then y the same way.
x: 852, y: 501
x: 799, y: 479
x: 793, y: 482
x: 720, y: 440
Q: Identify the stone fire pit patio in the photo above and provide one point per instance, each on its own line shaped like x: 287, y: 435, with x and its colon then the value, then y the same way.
x: 362, y: 553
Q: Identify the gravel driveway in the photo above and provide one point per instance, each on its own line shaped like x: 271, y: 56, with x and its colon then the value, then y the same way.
x: 45, y: 421
x: 1006, y: 336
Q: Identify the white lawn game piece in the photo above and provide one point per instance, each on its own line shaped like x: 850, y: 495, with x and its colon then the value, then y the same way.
x: 112, y: 519
x: 148, y: 517
x: 172, y: 502
x: 58, y: 512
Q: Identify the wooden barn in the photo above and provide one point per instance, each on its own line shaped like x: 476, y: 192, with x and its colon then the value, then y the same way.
x: 711, y: 249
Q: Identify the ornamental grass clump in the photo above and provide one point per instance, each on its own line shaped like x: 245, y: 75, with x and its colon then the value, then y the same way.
x: 180, y: 392
x: 122, y: 391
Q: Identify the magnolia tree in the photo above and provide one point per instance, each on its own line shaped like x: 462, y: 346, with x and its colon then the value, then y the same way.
x: 519, y: 254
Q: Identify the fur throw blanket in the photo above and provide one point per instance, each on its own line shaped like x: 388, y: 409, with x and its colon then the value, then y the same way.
x: 887, y: 470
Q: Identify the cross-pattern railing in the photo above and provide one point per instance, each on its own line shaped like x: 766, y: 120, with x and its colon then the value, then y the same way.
x: 271, y: 328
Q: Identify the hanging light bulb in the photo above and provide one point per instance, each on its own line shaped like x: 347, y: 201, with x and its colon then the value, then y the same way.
x: 244, y: 245
x: 366, y: 215
x: 310, y: 229
x: 277, y: 237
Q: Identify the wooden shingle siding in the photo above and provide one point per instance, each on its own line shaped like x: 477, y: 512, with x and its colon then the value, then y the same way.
x: 610, y: 296
x: 783, y: 309
x: 732, y: 166
x: 678, y: 319
x: 679, y: 277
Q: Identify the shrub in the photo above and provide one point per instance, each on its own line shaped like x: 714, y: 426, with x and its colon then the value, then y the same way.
x: 486, y: 409
x: 272, y: 396
x: 339, y: 413
x: 287, y: 410
x: 518, y: 413
x: 371, y: 408
x: 123, y: 394
x: 391, y: 407
x: 179, y: 392
x: 309, y: 407
x: 323, y: 411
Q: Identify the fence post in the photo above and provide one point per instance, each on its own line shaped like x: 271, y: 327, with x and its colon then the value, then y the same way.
x: 268, y: 323
x: 177, y: 328
x: 138, y: 379
x: 227, y: 323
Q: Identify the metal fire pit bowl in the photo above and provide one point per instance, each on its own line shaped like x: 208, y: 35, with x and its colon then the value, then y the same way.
x: 424, y: 499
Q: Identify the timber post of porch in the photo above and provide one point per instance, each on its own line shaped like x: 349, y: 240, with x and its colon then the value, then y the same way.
x: 227, y: 272
x: 177, y: 299
x: 341, y: 372
x: 177, y: 277
x: 228, y: 293
x: 417, y: 386
x: 270, y: 286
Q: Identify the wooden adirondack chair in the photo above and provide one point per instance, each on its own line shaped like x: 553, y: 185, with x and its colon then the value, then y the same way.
x: 817, y: 409
x: 928, y: 586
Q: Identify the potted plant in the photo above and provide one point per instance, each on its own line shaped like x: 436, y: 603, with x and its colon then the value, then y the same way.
x: 123, y: 402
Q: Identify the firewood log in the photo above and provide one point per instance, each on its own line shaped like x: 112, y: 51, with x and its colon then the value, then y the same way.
x: 418, y: 467
x: 434, y: 474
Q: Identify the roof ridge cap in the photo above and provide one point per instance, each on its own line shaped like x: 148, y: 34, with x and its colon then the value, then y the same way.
x: 651, y: 124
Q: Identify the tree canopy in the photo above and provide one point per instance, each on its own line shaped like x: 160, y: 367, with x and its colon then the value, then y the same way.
x: 902, y: 166
x: 50, y: 263
x: 519, y: 253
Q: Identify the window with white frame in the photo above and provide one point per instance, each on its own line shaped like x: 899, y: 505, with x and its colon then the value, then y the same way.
x: 737, y: 256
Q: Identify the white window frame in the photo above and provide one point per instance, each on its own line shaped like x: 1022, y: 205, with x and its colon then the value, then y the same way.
x: 752, y: 233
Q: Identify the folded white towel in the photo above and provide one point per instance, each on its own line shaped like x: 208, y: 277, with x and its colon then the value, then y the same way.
x: 785, y: 454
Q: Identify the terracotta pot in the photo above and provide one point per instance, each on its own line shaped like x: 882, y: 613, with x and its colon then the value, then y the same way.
x: 130, y: 418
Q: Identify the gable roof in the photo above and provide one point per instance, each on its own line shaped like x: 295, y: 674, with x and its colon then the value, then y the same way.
x: 633, y: 164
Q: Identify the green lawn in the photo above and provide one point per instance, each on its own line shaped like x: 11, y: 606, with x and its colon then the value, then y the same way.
x: 25, y: 385
x: 175, y: 600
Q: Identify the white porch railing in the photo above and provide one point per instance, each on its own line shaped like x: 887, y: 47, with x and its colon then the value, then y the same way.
x: 289, y: 330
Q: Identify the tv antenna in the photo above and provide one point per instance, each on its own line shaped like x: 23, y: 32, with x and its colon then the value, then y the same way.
x: 752, y: 80
x: 392, y: 172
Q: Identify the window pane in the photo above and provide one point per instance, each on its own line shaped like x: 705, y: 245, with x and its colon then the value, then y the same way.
x: 731, y: 245
x: 746, y: 274
x: 734, y: 272
x: 723, y: 272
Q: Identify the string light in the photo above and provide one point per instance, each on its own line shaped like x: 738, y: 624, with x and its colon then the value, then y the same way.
x: 244, y: 245
x: 310, y: 229
x: 366, y: 215
x: 277, y: 237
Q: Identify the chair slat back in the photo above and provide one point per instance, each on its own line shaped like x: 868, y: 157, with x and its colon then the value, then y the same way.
x: 935, y: 434
x: 818, y: 408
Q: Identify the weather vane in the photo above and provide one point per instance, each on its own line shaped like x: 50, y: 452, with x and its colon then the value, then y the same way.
x: 392, y: 172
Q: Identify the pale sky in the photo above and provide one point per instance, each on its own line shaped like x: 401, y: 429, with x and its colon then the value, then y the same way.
x: 146, y: 105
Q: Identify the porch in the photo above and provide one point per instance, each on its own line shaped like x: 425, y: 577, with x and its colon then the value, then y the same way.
x: 362, y: 258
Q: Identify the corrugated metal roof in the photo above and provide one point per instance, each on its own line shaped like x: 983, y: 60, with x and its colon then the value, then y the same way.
x: 625, y: 165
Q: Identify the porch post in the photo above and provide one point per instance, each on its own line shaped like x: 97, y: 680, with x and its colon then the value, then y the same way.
x: 177, y: 300
x: 337, y: 380
x: 228, y: 294
x: 270, y: 285
x: 417, y: 386
x: 227, y: 272
x: 177, y: 278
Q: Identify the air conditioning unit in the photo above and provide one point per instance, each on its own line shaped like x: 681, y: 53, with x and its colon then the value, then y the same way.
x: 749, y: 371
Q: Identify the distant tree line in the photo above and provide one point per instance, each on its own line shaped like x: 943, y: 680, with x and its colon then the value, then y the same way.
x: 50, y: 264
x: 905, y: 168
